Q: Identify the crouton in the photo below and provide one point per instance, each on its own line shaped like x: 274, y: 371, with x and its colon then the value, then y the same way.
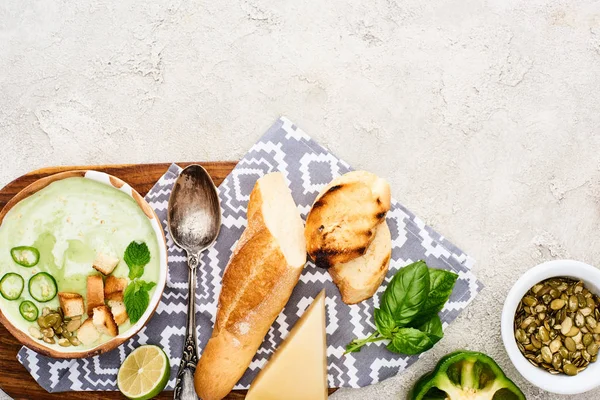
x: 71, y: 304
x: 113, y: 285
x: 105, y: 263
x: 118, y: 310
x: 87, y: 332
x: 104, y: 321
x: 95, y: 293
x: 116, y: 296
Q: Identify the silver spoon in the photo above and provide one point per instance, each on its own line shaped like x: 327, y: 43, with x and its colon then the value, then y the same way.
x: 194, y: 220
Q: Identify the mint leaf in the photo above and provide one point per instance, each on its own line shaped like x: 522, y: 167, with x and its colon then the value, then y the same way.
x: 136, y: 299
x: 137, y: 255
x: 385, y: 323
x: 406, y: 293
x: 410, y: 341
x: 440, y: 288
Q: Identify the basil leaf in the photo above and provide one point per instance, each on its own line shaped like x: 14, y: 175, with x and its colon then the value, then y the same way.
x: 410, y: 341
x: 441, y: 283
x: 385, y: 323
x: 406, y: 293
x: 433, y: 328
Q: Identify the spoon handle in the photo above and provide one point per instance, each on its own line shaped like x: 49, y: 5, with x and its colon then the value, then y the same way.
x: 184, y: 385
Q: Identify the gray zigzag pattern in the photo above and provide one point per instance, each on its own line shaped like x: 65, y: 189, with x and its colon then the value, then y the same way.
x: 307, y: 167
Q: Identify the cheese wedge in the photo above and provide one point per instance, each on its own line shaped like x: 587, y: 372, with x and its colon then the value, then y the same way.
x: 299, y: 366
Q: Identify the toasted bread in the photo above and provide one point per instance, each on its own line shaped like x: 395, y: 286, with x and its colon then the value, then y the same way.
x: 118, y: 310
x: 115, y: 296
x: 358, y: 279
x: 104, y: 321
x: 71, y: 304
x: 105, y: 263
x: 114, y: 284
x: 95, y: 293
x: 342, y: 222
x: 87, y: 333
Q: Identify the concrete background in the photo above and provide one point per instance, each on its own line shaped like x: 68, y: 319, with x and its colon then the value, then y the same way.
x: 483, y: 115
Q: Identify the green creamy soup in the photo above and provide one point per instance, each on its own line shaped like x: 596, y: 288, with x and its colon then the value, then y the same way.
x: 70, y: 222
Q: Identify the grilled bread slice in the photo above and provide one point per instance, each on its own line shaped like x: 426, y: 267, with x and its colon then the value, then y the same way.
x: 258, y: 281
x: 342, y: 222
x: 358, y: 279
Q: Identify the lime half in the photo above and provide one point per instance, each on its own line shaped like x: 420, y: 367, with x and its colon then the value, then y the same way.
x: 144, y: 374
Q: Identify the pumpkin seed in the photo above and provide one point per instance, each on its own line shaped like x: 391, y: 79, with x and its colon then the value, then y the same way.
x: 570, y: 369
x: 529, y: 301
x: 591, y: 322
x: 557, y: 361
x: 579, y: 320
x: 566, y: 325
x: 557, y: 304
x: 547, y: 354
x: 555, y: 345
x: 544, y: 335
x: 573, y: 331
x: 49, y: 340
x: 521, y: 336
x: 587, y: 339
x: 592, y: 349
x: 585, y: 311
x: 35, y: 332
x: 573, y: 305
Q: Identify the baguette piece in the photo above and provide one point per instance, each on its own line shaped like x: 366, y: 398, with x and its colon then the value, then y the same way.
x: 342, y: 222
x: 105, y: 263
x: 257, y: 283
x: 104, y: 321
x: 95, y: 293
x: 359, y: 279
x: 71, y: 304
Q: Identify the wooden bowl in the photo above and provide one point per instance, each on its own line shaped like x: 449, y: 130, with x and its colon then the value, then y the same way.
x: 22, y: 336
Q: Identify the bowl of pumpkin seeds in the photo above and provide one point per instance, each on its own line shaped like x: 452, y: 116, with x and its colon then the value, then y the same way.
x: 551, y: 326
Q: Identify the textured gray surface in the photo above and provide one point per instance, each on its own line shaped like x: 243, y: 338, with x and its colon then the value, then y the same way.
x: 483, y: 115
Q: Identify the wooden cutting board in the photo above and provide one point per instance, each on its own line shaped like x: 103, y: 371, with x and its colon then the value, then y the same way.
x: 14, y: 378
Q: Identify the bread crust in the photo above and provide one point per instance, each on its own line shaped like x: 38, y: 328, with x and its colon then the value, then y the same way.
x: 342, y: 222
x: 257, y: 284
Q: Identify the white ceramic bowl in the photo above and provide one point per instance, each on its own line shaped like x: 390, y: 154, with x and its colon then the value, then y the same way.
x: 561, y: 384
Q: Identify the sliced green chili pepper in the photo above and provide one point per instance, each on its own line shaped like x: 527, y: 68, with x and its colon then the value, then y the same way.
x: 28, y: 310
x: 11, y: 286
x: 42, y: 287
x: 25, y: 256
x: 466, y: 375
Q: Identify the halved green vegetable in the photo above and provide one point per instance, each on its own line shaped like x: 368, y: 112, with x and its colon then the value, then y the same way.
x: 28, y: 310
x: 11, y: 286
x: 42, y: 287
x: 466, y: 375
x: 25, y: 256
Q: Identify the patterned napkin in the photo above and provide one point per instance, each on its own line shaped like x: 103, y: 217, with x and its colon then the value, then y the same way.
x: 307, y: 167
